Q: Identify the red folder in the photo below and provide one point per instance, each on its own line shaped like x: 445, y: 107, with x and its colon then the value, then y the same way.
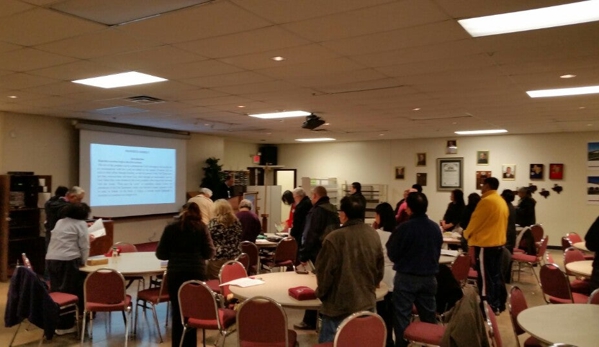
x: 302, y: 293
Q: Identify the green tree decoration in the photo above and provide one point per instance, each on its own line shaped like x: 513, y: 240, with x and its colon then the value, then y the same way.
x: 213, y: 174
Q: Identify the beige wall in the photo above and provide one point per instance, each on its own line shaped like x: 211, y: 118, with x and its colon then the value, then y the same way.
x: 374, y: 162
x: 238, y: 155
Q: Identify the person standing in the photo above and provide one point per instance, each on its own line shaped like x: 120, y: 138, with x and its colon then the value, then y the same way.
x: 225, y: 230
x: 346, y: 279
x: 322, y: 219
x: 414, y: 247
x: 287, y: 199
x: 486, y: 232
x: 302, y: 207
x: 356, y: 190
x: 525, y: 211
x: 592, y: 242
x: 454, y: 210
x: 250, y: 223
x: 186, y: 244
x: 204, y: 203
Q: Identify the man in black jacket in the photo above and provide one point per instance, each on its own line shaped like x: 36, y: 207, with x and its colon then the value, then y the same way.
x: 322, y: 219
x: 356, y: 190
x: 302, y: 207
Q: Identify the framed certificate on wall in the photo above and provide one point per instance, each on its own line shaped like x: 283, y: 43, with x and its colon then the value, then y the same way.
x: 450, y: 173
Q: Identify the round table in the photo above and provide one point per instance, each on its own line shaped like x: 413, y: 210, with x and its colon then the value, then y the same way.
x: 581, y: 245
x: 131, y: 264
x: 446, y: 259
x: 574, y: 324
x: 277, y: 284
x: 451, y: 241
x: 581, y: 268
x: 264, y: 243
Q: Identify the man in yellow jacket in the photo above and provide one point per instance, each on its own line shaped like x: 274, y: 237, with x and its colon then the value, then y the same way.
x: 486, y: 232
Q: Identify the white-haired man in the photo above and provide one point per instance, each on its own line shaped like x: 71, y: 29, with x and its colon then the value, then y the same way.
x: 204, y: 203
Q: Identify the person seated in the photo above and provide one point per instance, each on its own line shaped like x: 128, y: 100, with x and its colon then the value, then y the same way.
x: 454, y: 210
x: 250, y: 223
x: 67, y: 251
x: 225, y: 230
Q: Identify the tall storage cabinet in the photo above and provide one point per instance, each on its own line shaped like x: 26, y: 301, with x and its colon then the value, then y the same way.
x: 20, y: 226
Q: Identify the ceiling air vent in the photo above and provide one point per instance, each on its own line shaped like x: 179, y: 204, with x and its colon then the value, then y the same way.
x: 144, y: 99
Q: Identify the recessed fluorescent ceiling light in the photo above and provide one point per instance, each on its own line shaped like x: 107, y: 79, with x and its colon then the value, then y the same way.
x: 548, y: 93
x: 120, y: 80
x: 321, y: 139
x: 285, y: 114
x: 547, y: 17
x: 481, y: 132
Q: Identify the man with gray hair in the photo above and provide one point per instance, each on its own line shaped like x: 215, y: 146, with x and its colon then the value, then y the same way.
x: 250, y: 223
x: 204, y: 203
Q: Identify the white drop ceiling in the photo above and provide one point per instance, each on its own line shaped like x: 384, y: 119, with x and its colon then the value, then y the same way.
x: 363, y: 66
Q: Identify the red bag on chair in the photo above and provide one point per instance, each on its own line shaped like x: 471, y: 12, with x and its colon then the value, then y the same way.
x: 302, y: 293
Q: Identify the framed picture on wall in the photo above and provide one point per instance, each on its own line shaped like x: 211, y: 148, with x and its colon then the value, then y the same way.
x: 556, y: 171
x: 400, y: 172
x: 420, y: 159
x: 451, y: 147
x: 421, y: 178
x: 536, y: 171
x: 482, y: 157
x: 593, y: 155
x: 450, y: 173
x: 480, y: 178
x: 508, y: 172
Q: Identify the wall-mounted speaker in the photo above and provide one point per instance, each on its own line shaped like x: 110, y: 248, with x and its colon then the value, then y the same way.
x: 268, y: 155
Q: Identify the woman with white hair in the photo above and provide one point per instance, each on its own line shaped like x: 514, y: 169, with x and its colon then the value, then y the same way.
x: 250, y: 223
x: 225, y: 230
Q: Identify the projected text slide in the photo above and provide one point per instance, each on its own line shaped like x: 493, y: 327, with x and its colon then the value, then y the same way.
x: 126, y: 175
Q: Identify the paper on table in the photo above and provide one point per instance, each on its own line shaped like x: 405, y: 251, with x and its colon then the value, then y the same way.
x: 244, y: 282
x: 97, y: 229
x: 449, y: 252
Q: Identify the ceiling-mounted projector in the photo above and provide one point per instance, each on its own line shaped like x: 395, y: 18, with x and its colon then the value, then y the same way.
x: 312, y: 122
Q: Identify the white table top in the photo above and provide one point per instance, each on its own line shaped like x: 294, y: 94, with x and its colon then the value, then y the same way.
x: 277, y: 286
x: 581, y: 245
x: 446, y: 259
x: 581, y: 268
x: 451, y: 240
x: 574, y: 324
x: 131, y: 264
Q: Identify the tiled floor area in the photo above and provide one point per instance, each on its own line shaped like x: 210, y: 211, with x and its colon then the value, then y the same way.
x: 113, y: 335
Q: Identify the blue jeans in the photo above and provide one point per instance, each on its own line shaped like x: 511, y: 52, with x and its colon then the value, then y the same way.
x: 328, y: 329
x: 413, y: 290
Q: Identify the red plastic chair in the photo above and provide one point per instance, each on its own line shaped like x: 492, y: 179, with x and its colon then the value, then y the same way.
x: 537, y: 232
x: 494, y: 335
x: 125, y: 247
x: 199, y: 310
x: 516, y: 304
x: 460, y: 268
x: 556, y: 287
x: 261, y: 321
x: 153, y: 296
x: 251, y: 250
x: 230, y: 271
x: 362, y: 328
x: 594, y: 298
x: 286, y: 253
x: 530, y: 260
x: 578, y: 285
x: 104, y: 291
x: 575, y: 238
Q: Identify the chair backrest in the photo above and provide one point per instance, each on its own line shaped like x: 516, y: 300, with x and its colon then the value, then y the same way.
x: 494, y: 335
x: 197, y: 300
x: 261, y: 321
x: 125, y: 247
x: 549, y: 258
x: 572, y: 254
x: 594, y: 298
x: 543, y: 247
x: 461, y: 267
x: 104, y: 286
x: 251, y: 250
x: 574, y: 237
x: 537, y: 232
x: 516, y: 304
x: 244, y: 259
x: 554, y: 282
x: 163, y: 287
x: 286, y: 250
x: 566, y: 243
x: 230, y: 271
x: 361, y: 329
x: 26, y: 262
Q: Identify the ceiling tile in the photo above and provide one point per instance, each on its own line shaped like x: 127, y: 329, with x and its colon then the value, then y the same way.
x: 42, y: 25
x: 238, y: 78
x: 260, y: 40
x: 17, y: 81
x: 322, y: 68
x: 292, y: 55
x: 191, y: 70
x: 6, y: 47
x: 12, y: 7
x: 30, y: 59
x: 149, y: 58
x: 76, y: 70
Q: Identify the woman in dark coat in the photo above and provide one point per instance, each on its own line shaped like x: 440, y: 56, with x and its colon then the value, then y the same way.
x: 186, y: 244
x: 525, y: 211
x: 454, y: 210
